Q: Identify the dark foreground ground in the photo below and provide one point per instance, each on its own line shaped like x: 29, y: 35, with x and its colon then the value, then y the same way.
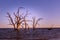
x: 37, y: 34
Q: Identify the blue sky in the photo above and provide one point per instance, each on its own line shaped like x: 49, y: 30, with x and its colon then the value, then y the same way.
x: 47, y: 9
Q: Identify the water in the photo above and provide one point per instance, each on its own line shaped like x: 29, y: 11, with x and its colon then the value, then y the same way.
x: 37, y: 34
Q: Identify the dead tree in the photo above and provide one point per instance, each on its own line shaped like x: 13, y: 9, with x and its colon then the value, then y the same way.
x: 35, y: 22
x: 19, y: 19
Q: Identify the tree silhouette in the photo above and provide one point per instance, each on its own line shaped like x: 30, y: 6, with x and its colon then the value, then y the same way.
x: 18, y: 20
x: 35, y: 22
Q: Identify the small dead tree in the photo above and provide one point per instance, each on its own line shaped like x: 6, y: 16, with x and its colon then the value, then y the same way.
x: 35, y: 22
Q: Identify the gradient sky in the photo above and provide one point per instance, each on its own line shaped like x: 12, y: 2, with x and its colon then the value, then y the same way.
x: 47, y: 9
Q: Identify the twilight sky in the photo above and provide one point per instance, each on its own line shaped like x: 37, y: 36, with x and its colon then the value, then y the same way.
x: 47, y: 9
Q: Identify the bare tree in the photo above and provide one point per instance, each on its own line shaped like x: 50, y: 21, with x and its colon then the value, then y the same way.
x: 18, y: 20
x: 35, y: 22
